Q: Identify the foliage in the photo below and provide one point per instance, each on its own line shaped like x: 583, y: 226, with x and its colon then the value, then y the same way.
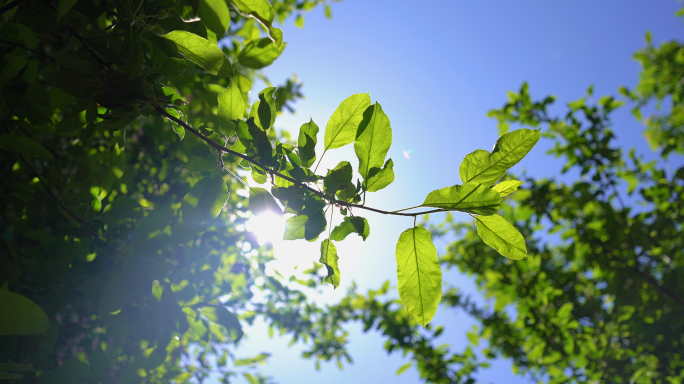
x: 125, y: 257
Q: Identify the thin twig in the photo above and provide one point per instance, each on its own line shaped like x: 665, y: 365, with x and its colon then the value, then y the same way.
x: 28, y: 49
x: 275, y: 173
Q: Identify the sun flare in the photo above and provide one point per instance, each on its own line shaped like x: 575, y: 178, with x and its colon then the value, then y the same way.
x: 268, y: 227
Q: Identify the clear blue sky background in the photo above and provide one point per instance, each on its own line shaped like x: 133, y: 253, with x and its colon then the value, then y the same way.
x: 437, y: 67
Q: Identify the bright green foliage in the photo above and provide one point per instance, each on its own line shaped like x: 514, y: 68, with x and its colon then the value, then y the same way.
x: 201, y: 52
x: 418, y: 273
x: 373, y: 141
x: 344, y: 124
x: 507, y: 187
x: 329, y: 259
x: 215, y: 16
x: 350, y: 225
x: 469, y: 197
x: 19, y: 315
x: 485, y: 168
x: 499, y: 234
x: 124, y: 124
x: 260, y: 53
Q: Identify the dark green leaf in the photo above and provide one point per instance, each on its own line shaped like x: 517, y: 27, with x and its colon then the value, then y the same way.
x: 329, y: 258
x: 469, y: 197
x: 484, y: 168
x: 23, y: 145
x: 172, y: 67
x: 266, y: 109
x: 345, y: 121
x: 72, y: 371
x: 338, y: 178
x: 499, y: 234
x: 68, y: 60
x: 19, y: 315
x: 262, y: 143
x: 220, y: 315
x: 306, y: 143
x: 351, y: 224
x: 64, y: 7
x: 201, y: 52
x: 373, y: 141
x: 260, y: 53
x: 419, y: 275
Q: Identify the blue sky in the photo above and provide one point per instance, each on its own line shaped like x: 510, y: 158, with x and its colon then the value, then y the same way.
x: 437, y: 67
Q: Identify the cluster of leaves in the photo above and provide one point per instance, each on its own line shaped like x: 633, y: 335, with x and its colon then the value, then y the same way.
x: 604, y: 303
x: 661, y: 81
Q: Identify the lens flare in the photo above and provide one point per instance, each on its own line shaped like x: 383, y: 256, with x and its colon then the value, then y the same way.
x: 268, y: 227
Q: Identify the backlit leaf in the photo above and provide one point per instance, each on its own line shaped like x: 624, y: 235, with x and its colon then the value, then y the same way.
x: 207, y: 196
x: 499, y: 234
x: 484, y: 168
x: 351, y: 224
x: 266, y: 109
x: 222, y: 316
x: 306, y: 143
x: 419, y: 274
x: 261, y: 11
x: 230, y: 107
x: 344, y: 122
x: 469, y: 197
x: 329, y: 258
x: 260, y: 53
x: 260, y: 201
x: 214, y: 15
x: 507, y: 187
x: 338, y: 178
x: 373, y: 141
x: 379, y: 178
x: 201, y: 52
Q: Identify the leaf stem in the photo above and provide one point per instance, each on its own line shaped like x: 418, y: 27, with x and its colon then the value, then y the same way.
x: 319, y: 161
x: 299, y: 184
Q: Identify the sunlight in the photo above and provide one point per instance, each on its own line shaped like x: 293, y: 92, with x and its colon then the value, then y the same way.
x: 268, y: 227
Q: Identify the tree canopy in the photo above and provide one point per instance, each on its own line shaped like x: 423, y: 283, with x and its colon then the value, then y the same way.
x: 127, y: 126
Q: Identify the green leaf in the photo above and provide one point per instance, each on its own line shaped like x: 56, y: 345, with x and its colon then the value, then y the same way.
x: 69, y: 61
x: 261, y: 11
x: 266, y: 109
x: 329, y: 258
x: 72, y: 371
x: 345, y: 121
x: 379, y: 178
x: 259, y: 175
x: 351, y: 224
x: 418, y: 273
x: 499, y: 234
x: 469, y: 198
x: 201, y: 52
x: 484, y: 168
x: 338, y: 178
x: 172, y: 67
x: 260, y: 53
x: 19, y: 315
x: 404, y: 367
x: 260, y: 201
x: 10, y: 376
x: 222, y: 316
x: 250, y: 378
x: 306, y: 143
x: 373, y: 141
x: 260, y: 358
x: 507, y: 187
x: 306, y: 227
x: 262, y: 143
x: 207, y: 196
x: 23, y: 145
x: 64, y: 7
x: 231, y: 107
x: 16, y: 367
x: 215, y: 16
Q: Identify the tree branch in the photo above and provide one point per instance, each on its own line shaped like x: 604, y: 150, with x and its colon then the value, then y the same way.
x: 276, y: 173
x: 89, y: 49
x: 28, y: 49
